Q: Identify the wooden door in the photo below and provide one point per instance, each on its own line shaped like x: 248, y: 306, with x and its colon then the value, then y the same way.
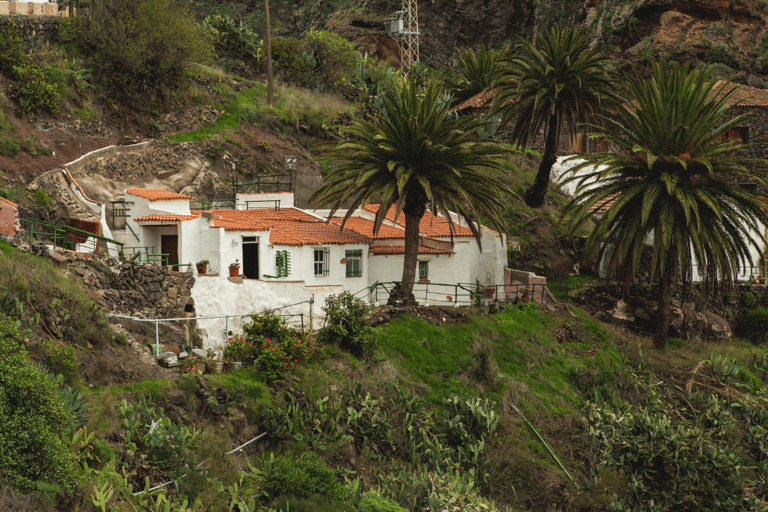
x: 169, y: 244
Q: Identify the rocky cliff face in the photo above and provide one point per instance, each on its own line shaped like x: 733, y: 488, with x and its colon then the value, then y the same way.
x: 731, y: 34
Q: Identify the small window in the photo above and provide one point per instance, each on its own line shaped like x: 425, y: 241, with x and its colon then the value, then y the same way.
x: 322, y: 260
x: 423, y: 269
x: 354, y: 263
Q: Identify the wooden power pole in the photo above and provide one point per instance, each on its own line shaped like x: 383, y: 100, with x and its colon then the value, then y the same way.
x: 268, y: 40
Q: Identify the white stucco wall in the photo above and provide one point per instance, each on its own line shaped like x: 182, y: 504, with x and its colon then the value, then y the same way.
x: 264, y: 200
x: 303, y: 265
x: 217, y: 296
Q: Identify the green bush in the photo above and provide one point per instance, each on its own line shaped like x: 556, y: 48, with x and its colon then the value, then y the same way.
x: 8, y: 147
x: 375, y: 503
x: 288, y: 54
x: 41, y: 198
x: 233, y: 39
x: 139, y: 47
x: 32, y: 420
x: 36, y: 91
x: 302, y: 476
x: 335, y: 55
x: 345, y: 324
x: 276, y: 347
x: 63, y: 360
x: 754, y: 325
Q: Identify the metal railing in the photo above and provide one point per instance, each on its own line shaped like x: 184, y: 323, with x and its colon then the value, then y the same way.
x: 262, y: 182
x: 68, y: 237
x: 458, y: 294
x: 213, y: 204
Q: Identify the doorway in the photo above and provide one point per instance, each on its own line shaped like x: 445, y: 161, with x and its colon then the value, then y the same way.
x: 251, y: 257
x: 169, y: 244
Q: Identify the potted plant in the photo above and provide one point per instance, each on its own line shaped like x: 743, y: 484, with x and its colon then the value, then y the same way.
x: 234, y: 268
x: 202, y: 267
x: 525, y: 294
x: 213, y: 362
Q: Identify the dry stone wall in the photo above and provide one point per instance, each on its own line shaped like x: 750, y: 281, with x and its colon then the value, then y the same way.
x: 35, y: 29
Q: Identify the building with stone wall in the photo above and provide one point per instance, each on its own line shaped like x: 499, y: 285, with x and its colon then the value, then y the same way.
x: 9, y: 218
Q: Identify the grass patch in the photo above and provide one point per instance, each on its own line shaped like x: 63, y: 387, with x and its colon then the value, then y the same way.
x: 292, y: 105
x: 532, y: 366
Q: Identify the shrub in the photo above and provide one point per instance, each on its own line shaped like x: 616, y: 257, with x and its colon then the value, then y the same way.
x: 375, y: 503
x: 288, y: 53
x: 139, y: 47
x: 276, y: 347
x: 233, y: 39
x: 36, y: 91
x: 335, y: 55
x: 41, y: 198
x: 754, y: 325
x: 345, y: 324
x: 8, y: 147
x: 302, y: 476
x: 63, y: 360
x: 32, y: 420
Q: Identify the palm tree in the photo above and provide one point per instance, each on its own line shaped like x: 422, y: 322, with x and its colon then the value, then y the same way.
x: 549, y: 86
x: 417, y: 158
x: 479, y: 71
x: 676, y: 182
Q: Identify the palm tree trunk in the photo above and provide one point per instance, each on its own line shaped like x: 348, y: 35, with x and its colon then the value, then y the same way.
x: 664, y: 310
x: 534, y: 196
x: 411, y: 256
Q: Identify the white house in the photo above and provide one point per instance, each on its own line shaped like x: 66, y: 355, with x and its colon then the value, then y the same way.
x: 272, y: 239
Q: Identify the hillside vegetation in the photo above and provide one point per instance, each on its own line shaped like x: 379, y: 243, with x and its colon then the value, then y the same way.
x: 428, y: 421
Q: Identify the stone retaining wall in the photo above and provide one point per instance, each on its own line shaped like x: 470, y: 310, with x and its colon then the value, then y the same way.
x: 36, y: 29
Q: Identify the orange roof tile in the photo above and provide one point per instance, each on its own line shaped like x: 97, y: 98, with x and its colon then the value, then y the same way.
x: 400, y: 249
x: 4, y: 200
x: 604, y: 205
x: 166, y: 218
x: 365, y: 227
x: 289, y: 226
x: 155, y: 194
x: 431, y: 225
x: 744, y: 95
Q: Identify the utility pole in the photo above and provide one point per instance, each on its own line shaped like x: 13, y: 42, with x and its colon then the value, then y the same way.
x: 403, y: 27
x: 270, y: 98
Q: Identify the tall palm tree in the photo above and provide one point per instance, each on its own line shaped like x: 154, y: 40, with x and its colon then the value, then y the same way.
x: 479, y: 71
x: 560, y: 81
x: 417, y: 158
x: 676, y: 182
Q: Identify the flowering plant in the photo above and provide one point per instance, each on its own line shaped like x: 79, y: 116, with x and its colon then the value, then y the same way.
x: 239, y: 348
x: 525, y: 292
x: 235, y: 264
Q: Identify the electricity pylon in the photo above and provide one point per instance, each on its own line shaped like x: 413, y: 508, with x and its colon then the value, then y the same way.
x: 403, y: 27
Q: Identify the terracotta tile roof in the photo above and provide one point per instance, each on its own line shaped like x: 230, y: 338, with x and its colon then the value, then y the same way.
x: 400, y: 249
x: 289, y: 226
x: 604, y: 205
x: 365, y: 227
x: 166, y: 218
x: 156, y: 194
x: 431, y: 225
x: 4, y: 200
x: 744, y: 95
x: 479, y: 100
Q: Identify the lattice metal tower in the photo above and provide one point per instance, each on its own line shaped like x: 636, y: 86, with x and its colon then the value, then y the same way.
x: 403, y: 27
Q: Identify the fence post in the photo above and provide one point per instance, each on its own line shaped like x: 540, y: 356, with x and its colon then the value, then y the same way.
x: 311, y: 311
x: 226, y: 327
x: 302, y: 322
x: 157, y: 339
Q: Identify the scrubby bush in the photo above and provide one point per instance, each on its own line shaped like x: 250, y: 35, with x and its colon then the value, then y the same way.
x: 345, y: 324
x: 276, y: 348
x: 233, y: 39
x: 375, y: 503
x: 139, y: 47
x: 335, y: 55
x: 754, y: 325
x: 288, y: 54
x: 36, y: 91
x: 302, y: 476
x: 32, y: 420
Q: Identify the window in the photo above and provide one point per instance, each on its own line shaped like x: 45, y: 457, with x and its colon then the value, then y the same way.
x: 423, y: 269
x: 354, y: 263
x: 322, y: 260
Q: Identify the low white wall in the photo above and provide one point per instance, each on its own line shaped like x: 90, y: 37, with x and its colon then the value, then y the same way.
x: 218, y: 296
